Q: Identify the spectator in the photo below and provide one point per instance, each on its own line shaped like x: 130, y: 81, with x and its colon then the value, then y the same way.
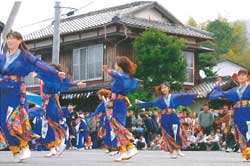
x: 195, y: 126
x: 156, y: 143
x: 129, y: 120
x: 213, y: 141
x: 88, y: 143
x: 71, y: 122
x: 140, y: 142
x: 206, y: 120
x: 136, y: 120
x: 150, y: 128
x: 92, y: 125
x: 200, y: 142
x: 190, y: 144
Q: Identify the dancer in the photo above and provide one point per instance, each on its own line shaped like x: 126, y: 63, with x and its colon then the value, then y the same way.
x: 55, y: 136
x: 241, y: 97
x: 110, y: 140
x: 122, y: 84
x: 17, y: 63
x: 167, y: 102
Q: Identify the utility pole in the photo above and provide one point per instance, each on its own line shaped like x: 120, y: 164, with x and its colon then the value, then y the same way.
x: 56, y: 34
x: 9, y: 24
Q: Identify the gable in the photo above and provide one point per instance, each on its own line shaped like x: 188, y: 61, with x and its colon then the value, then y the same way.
x: 151, y: 14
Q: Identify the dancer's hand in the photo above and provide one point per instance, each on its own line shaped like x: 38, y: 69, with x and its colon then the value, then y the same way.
x: 81, y: 85
x: 137, y: 101
x: 105, y: 68
x: 219, y: 81
x: 61, y: 75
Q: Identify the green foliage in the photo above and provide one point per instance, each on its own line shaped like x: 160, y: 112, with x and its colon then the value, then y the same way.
x: 139, y: 94
x: 159, y: 58
x: 242, y: 59
x: 241, y: 40
x: 223, y: 34
x: 181, y: 108
x: 230, y: 43
x: 192, y: 22
x: 206, y: 62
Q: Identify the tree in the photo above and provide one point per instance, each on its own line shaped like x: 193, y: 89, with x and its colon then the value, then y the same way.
x: 241, y: 40
x: 242, y: 59
x: 223, y: 34
x: 191, y: 22
x: 206, y: 62
x: 140, y: 94
x: 159, y: 58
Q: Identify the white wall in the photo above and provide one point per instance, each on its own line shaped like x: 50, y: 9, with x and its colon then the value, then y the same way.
x: 226, y: 68
x: 151, y: 14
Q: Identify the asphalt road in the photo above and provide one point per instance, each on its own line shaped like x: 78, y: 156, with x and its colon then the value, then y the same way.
x: 144, y: 158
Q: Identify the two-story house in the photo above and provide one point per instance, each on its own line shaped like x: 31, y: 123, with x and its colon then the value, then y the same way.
x: 90, y: 40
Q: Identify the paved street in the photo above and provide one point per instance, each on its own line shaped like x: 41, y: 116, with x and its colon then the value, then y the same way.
x: 145, y: 158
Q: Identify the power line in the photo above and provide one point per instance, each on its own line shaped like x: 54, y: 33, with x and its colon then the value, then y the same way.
x: 52, y: 18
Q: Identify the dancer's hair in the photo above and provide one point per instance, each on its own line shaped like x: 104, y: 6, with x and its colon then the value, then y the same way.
x: 18, y: 36
x: 126, y: 64
x: 104, y: 92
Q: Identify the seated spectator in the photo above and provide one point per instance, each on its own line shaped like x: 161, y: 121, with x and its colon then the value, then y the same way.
x: 200, y: 142
x: 88, y: 143
x: 229, y: 141
x: 190, y: 143
x: 156, y: 143
x: 212, y: 141
x: 140, y: 142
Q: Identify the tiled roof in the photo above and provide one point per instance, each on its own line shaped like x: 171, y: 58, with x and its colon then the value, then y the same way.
x: 121, y: 13
x: 168, y: 27
x: 208, y: 84
x: 87, y: 21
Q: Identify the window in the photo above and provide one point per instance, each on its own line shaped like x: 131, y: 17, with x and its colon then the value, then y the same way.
x: 189, y: 56
x: 87, y: 63
x: 31, y: 81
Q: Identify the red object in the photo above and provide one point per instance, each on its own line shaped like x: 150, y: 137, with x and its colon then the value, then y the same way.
x: 235, y: 77
x: 41, y: 89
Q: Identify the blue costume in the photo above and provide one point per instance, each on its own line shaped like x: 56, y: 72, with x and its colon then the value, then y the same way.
x: 109, y: 139
x: 82, y: 133
x: 121, y: 85
x: 241, y: 98
x: 41, y: 126
x: 169, y: 120
x: 52, y: 86
x: 13, y: 116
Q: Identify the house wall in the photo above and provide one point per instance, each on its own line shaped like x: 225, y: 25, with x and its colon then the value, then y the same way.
x: 227, y: 68
x: 151, y: 14
x: 113, y: 50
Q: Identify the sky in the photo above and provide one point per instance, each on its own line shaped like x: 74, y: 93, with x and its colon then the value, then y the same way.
x: 32, y: 11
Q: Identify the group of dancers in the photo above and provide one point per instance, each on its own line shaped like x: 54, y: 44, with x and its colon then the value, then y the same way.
x: 16, y: 130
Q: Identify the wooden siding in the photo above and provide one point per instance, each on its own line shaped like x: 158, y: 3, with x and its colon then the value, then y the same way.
x: 112, y: 51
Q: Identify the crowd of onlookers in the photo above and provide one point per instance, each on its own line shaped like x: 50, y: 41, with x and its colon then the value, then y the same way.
x: 206, y: 129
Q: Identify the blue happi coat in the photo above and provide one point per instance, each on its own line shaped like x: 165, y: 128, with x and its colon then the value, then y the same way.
x: 241, y: 98
x: 170, y: 122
